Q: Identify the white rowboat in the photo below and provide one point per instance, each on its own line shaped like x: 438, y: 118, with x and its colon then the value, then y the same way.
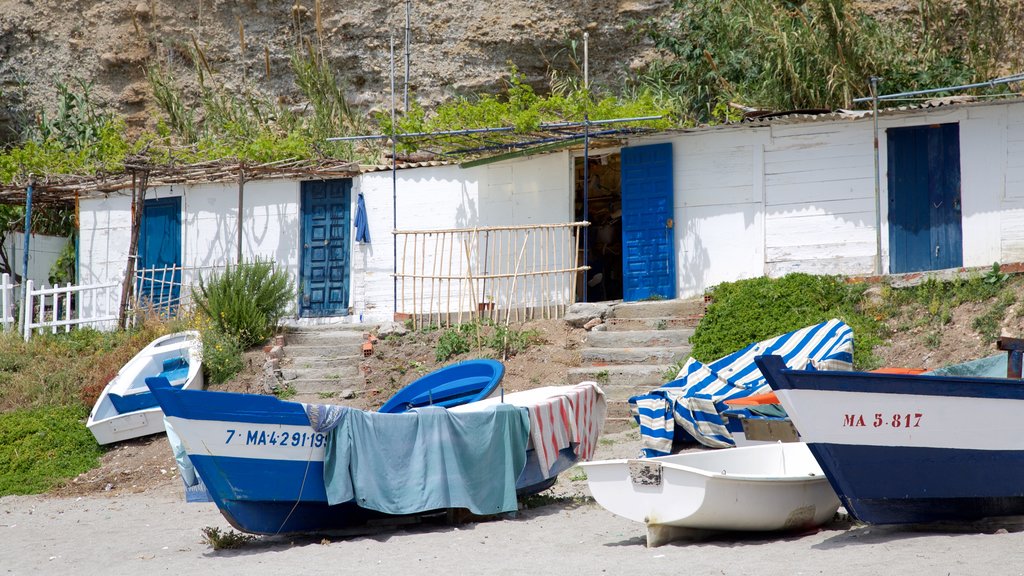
x: 126, y: 408
x: 757, y: 488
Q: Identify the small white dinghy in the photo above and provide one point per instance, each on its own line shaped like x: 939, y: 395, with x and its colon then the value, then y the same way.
x: 756, y: 488
x: 126, y: 408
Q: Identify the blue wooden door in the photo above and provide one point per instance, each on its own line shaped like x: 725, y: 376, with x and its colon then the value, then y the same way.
x: 648, y: 253
x: 326, y: 240
x: 158, y: 267
x: 925, y: 230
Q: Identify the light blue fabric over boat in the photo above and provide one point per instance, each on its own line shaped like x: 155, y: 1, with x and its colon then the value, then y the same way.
x: 425, y: 459
x: 695, y: 399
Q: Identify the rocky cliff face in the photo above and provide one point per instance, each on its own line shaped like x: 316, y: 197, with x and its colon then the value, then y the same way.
x: 457, y: 46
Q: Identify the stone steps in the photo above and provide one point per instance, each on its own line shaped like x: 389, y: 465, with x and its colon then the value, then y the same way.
x: 633, y: 349
x: 633, y: 338
x: 321, y: 363
x: 634, y: 355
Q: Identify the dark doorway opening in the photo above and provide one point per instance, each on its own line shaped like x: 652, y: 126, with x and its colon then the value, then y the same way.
x: 604, y: 236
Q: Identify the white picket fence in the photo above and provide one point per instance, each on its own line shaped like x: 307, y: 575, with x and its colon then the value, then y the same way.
x: 7, y: 300
x: 58, y: 308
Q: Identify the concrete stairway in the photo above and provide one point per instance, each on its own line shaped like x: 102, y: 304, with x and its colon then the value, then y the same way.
x: 323, y: 361
x: 630, y: 352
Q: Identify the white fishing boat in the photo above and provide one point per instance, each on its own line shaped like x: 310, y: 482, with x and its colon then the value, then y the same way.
x: 126, y: 408
x: 765, y: 487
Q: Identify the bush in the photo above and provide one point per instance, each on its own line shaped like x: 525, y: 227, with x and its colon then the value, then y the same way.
x: 245, y: 301
x: 748, y: 311
x: 222, y: 356
x: 451, y: 343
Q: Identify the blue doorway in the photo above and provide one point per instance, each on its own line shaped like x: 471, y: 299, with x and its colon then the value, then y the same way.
x: 648, y: 253
x: 326, y: 241
x: 925, y: 228
x: 159, y: 264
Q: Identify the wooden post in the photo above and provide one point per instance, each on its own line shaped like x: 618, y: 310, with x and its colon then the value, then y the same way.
x: 241, y: 191
x: 139, y: 180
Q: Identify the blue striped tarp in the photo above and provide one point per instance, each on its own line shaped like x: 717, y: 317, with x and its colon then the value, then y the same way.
x: 693, y: 401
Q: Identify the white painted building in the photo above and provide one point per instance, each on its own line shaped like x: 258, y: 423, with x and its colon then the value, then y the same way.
x: 794, y: 193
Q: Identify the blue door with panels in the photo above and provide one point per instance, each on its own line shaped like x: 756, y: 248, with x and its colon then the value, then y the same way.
x: 648, y: 252
x: 326, y: 239
x: 158, y: 269
x: 925, y: 228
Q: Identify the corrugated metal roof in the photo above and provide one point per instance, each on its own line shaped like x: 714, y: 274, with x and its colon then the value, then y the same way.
x: 798, y: 117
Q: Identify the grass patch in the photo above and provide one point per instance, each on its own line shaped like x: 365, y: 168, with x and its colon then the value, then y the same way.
x: 989, y: 323
x: 43, y: 446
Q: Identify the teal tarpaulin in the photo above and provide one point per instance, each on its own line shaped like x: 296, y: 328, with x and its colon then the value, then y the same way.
x: 425, y: 459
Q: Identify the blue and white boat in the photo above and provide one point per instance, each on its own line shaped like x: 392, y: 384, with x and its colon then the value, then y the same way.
x: 907, y: 449
x: 453, y: 385
x: 273, y: 466
x: 126, y: 408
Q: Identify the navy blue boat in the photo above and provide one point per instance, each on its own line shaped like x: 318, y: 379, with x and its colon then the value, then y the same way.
x: 908, y: 449
x: 453, y: 385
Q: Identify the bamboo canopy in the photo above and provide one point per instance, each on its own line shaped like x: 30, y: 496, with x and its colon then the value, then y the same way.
x: 62, y: 188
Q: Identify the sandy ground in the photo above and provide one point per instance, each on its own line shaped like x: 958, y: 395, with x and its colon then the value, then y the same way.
x: 156, y: 532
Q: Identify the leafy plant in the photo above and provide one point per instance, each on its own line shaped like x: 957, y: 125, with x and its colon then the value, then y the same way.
x: 245, y: 301
x: 451, y: 343
x: 507, y: 342
x: 818, y: 53
x: 222, y: 355
x: 285, y: 392
x: 229, y: 540
x: 995, y: 275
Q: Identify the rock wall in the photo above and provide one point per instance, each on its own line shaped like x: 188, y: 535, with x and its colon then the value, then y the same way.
x: 457, y: 47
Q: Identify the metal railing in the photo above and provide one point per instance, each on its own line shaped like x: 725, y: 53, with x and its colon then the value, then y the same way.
x: 167, y: 290
x: 499, y: 273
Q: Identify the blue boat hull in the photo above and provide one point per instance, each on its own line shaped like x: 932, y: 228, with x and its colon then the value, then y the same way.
x: 907, y: 449
x: 892, y: 485
x: 262, y: 463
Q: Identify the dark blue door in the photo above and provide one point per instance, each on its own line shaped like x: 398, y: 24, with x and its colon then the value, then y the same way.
x: 925, y: 231
x: 326, y: 237
x: 648, y: 253
x: 159, y: 264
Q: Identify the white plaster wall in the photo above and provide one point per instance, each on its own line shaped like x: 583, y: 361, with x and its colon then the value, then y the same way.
x: 819, y: 199
x: 104, y: 233
x: 528, y: 191
x: 43, y: 252
x: 1012, y: 205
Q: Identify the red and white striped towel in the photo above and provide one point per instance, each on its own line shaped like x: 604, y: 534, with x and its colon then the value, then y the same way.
x: 572, y: 419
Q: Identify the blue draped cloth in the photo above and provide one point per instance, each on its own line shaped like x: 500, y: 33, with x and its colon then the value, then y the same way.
x: 362, y: 226
x: 425, y: 459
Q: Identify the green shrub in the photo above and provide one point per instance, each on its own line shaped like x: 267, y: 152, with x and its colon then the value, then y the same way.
x: 43, y: 446
x: 452, y: 343
x: 245, y: 301
x: 222, y: 356
x: 748, y: 311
